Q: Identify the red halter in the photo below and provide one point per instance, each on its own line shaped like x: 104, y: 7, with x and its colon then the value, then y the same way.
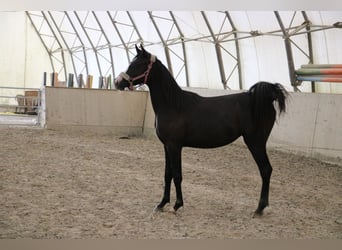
x: 143, y: 75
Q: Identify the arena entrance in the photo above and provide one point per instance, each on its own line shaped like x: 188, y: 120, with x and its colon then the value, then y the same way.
x: 20, y: 106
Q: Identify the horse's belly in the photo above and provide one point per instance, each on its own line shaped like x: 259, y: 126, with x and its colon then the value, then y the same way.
x: 210, y: 139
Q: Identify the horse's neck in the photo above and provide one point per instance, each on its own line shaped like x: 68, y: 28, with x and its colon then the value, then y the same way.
x: 164, y: 91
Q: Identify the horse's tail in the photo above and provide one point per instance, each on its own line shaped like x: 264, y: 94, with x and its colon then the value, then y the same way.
x: 263, y: 95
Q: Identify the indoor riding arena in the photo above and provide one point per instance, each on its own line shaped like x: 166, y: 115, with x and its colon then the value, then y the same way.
x: 80, y: 155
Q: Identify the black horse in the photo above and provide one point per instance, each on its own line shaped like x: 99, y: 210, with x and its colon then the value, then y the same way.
x: 185, y: 119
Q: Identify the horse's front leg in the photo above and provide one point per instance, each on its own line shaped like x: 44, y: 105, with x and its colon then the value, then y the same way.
x: 167, y: 181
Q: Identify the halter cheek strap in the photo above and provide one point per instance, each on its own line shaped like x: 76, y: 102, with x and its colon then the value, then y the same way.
x: 144, y: 75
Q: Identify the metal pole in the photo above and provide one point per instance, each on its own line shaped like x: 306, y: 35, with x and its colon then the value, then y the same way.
x: 79, y: 38
x: 108, y: 43
x: 67, y: 46
x: 218, y: 51
x: 91, y: 43
x: 41, y: 39
x: 237, y: 47
x: 289, y: 55
x: 183, y: 48
x: 119, y: 34
x: 134, y: 25
x: 166, y: 49
x: 59, y: 44
x: 307, y: 27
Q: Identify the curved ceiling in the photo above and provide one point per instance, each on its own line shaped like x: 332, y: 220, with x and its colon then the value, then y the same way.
x: 215, y: 49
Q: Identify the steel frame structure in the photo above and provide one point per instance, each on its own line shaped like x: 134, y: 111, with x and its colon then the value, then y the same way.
x: 51, y: 43
x: 53, y: 29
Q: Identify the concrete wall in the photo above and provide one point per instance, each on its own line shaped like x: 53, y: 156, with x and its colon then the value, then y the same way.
x: 106, y: 111
x: 311, y: 126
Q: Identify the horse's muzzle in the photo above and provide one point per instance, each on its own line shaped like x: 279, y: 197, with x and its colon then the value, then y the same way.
x: 117, y: 80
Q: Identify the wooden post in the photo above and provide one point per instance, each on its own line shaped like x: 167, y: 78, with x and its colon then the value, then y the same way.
x: 54, y: 79
x: 52, y: 75
x: 71, y: 80
x: 109, y: 82
x: 105, y: 82
x: 89, y: 83
x: 80, y: 81
x: 44, y: 79
x: 100, y: 82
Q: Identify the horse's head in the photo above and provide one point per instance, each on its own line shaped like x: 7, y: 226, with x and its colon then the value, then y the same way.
x: 138, y: 71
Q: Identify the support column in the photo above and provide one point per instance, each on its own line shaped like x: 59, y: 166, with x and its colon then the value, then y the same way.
x: 289, y: 54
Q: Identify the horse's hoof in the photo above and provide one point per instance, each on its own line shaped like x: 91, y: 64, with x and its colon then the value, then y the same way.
x: 257, y: 214
x: 158, y: 209
x: 162, y: 204
x: 177, y: 206
x: 176, y: 212
x: 155, y: 210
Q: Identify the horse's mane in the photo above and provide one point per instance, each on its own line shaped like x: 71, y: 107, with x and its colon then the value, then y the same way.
x: 172, y: 93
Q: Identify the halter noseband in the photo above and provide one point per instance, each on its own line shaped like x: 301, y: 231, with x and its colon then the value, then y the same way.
x: 144, y: 75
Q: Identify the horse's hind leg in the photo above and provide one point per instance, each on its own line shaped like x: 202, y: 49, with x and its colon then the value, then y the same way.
x: 258, y: 151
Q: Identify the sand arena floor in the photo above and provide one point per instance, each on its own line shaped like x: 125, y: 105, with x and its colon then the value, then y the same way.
x: 75, y: 185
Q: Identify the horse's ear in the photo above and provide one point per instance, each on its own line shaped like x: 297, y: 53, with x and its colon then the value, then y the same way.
x: 143, y: 51
x: 142, y: 48
x: 137, y: 49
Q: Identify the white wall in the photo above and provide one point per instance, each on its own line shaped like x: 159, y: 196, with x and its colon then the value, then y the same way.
x: 23, y: 58
x: 12, y: 44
